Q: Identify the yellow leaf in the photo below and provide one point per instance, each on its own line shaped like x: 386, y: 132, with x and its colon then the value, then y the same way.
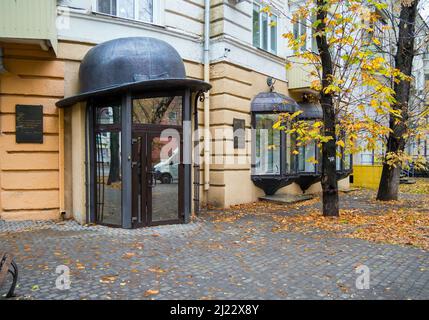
x: 341, y: 143
x: 376, y: 41
x: 151, y: 293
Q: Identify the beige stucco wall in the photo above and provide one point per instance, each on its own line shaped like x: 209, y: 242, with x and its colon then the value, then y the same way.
x: 233, y: 90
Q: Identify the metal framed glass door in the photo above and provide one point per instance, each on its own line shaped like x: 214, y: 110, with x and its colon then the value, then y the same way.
x: 138, y: 173
x: 157, y: 178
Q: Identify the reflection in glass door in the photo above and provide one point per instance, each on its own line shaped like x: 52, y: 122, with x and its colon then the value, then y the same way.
x: 156, y: 179
x: 109, y: 178
x: 163, y: 183
x: 108, y: 164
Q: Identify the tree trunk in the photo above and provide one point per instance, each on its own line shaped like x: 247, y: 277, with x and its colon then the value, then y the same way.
x: 329, y: 156
x: 389, y: 183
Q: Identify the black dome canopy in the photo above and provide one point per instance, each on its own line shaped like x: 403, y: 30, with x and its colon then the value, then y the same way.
x: 273, y: 102
x: 139, y: 63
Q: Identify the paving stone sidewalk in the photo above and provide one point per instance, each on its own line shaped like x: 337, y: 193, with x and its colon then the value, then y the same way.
x: 208, y: 260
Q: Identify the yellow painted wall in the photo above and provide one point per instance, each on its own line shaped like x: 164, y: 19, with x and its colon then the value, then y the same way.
x: 30, y: 173
x: 367, y: 176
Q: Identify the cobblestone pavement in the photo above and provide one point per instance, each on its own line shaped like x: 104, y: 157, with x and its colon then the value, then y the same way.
x: 208, y: 260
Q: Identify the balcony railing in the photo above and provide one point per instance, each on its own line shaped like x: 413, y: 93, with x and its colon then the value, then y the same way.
x: 29, y: 20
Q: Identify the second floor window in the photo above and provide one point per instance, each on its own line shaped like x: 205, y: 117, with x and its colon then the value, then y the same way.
x: 141, y: 10
x: 264, y: 29
x: 300, y: 29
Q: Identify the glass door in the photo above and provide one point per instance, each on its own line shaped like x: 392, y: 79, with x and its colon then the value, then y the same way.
x: 156, y: 179
x: 163, y: 179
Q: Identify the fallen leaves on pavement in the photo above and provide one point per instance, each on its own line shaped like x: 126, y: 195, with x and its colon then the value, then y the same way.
x: 128, y: 255
x: 109, y: 279
x: 420, y: 187
x: 403, y: 226
x: 157, y: 270
x: 263, y: 208
x: 151, y: 293
x: 403, y: 222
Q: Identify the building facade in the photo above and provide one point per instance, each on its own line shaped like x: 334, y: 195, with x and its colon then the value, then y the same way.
x: 61, y: 159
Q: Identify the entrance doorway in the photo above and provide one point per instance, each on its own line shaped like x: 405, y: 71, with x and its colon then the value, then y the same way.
x: 157, y: 178
x: 140, y: 176
x: 135, y: 89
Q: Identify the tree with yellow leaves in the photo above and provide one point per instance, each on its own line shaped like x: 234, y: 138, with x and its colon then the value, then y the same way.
x: 351, y: 81
x: 409, y: 122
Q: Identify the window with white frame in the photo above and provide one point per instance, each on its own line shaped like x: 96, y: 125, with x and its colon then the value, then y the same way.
x: 300, y: 29
x: 265, y: 32
x: 141, y: 10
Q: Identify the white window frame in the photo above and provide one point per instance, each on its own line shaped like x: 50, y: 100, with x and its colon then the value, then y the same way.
x: 156, y: 7
x: 300, y: 28
x: 269, y: 47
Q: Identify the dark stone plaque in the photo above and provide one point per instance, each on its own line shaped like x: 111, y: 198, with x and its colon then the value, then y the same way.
x: 29, y: 124
x: 239, y: 133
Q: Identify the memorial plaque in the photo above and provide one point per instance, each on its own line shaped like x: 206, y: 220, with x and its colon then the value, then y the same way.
x: 29, y: 124
x: 239, y: 133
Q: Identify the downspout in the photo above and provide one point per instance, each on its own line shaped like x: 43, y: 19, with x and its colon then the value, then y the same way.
x: 207, y: 95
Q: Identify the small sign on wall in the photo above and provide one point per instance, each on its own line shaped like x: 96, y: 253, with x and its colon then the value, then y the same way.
x: 29, y: 124
x: 239, y: 133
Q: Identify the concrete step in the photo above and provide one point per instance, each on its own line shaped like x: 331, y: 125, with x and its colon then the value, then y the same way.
x: 287, y: 198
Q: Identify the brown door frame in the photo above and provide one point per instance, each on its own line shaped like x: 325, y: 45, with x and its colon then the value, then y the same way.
x: 147, y: 133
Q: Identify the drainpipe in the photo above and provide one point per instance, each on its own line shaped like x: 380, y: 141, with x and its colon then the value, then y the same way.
x: 207, y: 95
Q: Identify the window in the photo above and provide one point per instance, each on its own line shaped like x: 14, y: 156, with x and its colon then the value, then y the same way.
x: 300, y: 29
x: 108, y: 169
x: 264, y: 29
x: 141, y: 10
x: 161, y: 111
x: 108, y: 115
x: 267, y: 145
x: 314, y: 47
x: 307, y: 153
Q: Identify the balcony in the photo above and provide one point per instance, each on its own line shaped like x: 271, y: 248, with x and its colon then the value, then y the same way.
x: 299, y: 76
x: 30, y: 21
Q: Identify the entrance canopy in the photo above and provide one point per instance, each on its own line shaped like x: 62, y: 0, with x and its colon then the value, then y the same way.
x: 135, y: 64
x: 273, y: 102
x: 138, y: 102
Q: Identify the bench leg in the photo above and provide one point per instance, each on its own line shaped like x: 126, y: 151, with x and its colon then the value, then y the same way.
x: 14, y: 273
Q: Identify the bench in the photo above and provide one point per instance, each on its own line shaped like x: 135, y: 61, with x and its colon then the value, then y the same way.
x: 8, y: 266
